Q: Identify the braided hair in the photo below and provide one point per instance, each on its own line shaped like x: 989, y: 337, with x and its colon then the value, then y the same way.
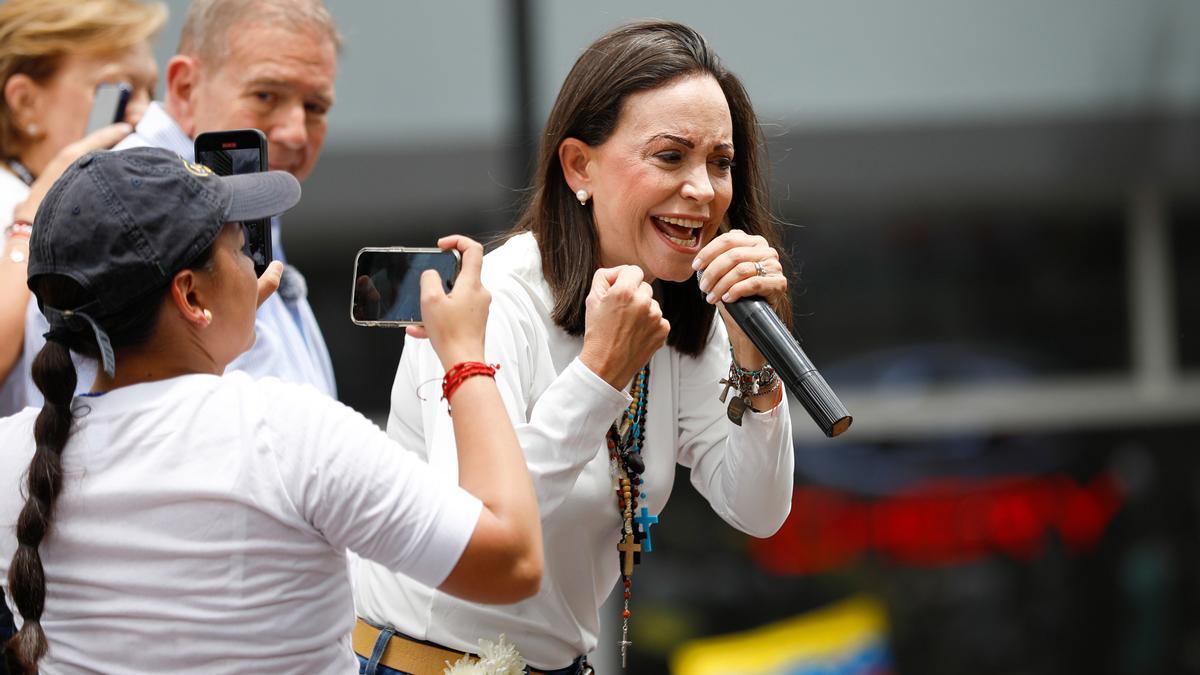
x: 55, y: 376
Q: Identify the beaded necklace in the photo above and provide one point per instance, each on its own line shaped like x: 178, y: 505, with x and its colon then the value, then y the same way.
x: 625, y: 439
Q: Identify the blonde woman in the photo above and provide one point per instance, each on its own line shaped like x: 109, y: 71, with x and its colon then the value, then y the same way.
x: 53, y: 53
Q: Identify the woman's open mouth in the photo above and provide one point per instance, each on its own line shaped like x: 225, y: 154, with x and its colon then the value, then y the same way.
x: 683, y: 232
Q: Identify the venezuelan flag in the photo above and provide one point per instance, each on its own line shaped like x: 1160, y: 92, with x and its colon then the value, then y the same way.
x: 849, y: 638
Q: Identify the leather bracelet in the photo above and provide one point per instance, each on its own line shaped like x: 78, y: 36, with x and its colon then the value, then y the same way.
x: 752, y: 382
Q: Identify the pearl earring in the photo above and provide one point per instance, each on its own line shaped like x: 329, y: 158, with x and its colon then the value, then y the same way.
x: 207, y: 316
x: 31, y: 130
x: 583, y: 196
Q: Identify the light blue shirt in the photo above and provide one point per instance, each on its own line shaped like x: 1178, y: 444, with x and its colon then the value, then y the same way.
x: 288, y: 342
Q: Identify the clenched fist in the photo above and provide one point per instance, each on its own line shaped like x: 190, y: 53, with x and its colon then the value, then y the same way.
x: 623, y: 325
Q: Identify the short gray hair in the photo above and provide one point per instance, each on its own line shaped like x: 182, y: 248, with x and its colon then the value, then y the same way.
x: 206, y: 27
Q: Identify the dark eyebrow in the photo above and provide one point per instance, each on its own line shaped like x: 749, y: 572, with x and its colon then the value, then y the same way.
x: 678, y: 139
x: 688, y: 144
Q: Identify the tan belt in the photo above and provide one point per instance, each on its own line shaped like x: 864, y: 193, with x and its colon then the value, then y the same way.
x: 403, y: 653
x: 408, y: 655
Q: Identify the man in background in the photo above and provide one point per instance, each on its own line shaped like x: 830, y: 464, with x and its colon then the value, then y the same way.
x: 268, y: 65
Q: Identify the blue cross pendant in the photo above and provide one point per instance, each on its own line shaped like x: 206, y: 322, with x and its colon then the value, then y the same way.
x: 644, y: 521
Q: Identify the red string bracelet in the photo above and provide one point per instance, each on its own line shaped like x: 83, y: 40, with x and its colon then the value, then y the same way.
x: 460, y: 372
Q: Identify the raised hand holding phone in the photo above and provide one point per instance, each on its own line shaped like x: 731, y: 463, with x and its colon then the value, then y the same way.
x: 239, y: 151
x: 268, y: 281
x: 108, y: 105
x: 454, y: 322
x: 387, y: 283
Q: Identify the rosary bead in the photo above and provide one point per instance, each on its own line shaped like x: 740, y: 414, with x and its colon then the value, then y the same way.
x: 624, y: 440
x: 634, y: 460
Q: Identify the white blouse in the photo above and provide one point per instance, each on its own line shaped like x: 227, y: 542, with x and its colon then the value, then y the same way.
x: 561, y: 411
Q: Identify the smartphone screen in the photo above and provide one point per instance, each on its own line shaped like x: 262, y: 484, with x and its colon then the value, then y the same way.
x: 228, y: 162
x: 108, y: 105
x: 387, y: 283
x: 240, y: 151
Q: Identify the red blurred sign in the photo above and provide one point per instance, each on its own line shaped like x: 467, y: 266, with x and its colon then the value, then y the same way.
x: 939, y: 523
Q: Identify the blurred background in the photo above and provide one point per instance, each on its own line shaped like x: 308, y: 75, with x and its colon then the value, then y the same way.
x: 995, y: 238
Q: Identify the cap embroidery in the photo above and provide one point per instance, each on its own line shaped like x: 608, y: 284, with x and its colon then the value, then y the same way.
x: 196, y: 169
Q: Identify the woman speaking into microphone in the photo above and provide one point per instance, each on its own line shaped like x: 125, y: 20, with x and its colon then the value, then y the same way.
x: 175, y: 519
x: 619, y: 363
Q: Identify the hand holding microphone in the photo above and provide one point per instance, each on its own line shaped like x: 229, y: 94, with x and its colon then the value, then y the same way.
x: 742, y: 271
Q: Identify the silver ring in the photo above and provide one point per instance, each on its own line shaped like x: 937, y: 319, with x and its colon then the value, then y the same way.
x: 758, y: 267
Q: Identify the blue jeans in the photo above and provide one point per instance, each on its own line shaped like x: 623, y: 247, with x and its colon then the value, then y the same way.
x: 371, y: 666
x: 364, y: 668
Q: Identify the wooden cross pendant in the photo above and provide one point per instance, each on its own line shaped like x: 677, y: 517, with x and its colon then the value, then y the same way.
x: 628, y: 547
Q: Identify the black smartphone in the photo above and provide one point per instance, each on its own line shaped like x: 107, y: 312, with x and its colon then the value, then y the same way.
x: 233, y: 152
x: 108, y: 105
x: 387, y: 283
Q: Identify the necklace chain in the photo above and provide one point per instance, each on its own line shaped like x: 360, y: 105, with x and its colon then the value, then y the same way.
x: 21, y: 171
x: 625, y: 439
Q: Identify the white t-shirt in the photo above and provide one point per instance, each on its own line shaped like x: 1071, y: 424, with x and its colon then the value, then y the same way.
x: 561, y: 411
x: 13, y: 191
x: 203, y: 522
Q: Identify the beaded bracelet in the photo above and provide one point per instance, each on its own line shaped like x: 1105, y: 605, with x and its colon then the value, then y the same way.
x: 752, y: 382
x: 460, y: 372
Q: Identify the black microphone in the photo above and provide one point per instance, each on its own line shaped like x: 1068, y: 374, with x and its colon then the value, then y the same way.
x: 760, y: 323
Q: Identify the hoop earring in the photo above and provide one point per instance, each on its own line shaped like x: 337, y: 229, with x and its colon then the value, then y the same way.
x: 583, y: 196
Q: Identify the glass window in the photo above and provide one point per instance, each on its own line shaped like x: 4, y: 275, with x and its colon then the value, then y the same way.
x: 963, y: 294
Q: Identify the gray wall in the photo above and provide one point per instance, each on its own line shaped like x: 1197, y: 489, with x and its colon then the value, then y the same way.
x: 874, y: 110
x: 417, y: 73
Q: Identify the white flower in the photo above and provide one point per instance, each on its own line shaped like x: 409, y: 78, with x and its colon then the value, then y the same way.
x: 464, y: 667
x: 495, y: 658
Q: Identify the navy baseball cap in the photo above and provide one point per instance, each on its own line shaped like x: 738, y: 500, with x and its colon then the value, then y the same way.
x: 122, y: 223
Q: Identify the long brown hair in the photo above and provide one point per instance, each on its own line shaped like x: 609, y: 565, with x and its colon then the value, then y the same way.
x: 636, y: 57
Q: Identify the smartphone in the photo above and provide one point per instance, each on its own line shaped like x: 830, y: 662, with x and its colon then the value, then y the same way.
x: 387, y: 283
x: 108, y: 105
x: 234, y: 152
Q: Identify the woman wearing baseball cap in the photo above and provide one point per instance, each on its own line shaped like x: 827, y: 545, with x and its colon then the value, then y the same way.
x: 175, y: 519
